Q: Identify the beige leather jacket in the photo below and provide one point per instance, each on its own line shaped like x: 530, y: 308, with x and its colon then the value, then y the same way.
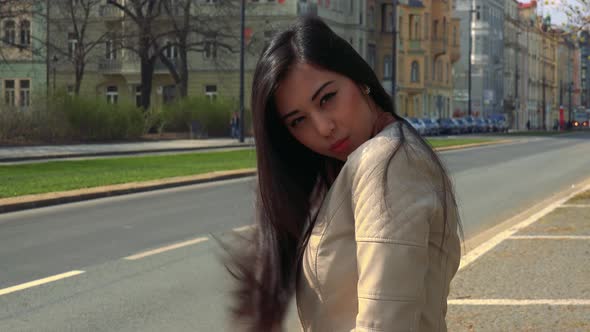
x: 374, y: 261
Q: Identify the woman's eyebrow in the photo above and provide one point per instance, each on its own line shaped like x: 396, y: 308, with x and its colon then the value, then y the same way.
x: 289, y: 114
x: 312, y: 99
x: 320, y: 89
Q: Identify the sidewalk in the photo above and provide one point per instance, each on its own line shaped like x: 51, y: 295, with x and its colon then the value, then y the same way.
x: 533, y: 277
x: 25, y: 153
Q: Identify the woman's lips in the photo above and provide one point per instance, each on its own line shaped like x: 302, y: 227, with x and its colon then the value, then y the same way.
x: 340, y: 146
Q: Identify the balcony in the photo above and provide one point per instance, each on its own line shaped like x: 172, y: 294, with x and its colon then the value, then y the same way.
x: 455, y: 53
x: 110, y: 66
x: 110, y: 12
x: 439, y: 46
x: 307, y: 8
x: 415, y: 46
x: 161, y: 68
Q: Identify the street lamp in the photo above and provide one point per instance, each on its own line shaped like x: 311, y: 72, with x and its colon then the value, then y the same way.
x: 55, y: 60
x: 471, y: 12
x: 394, y: 49
x: 242, y: 30
x: 516, y: 100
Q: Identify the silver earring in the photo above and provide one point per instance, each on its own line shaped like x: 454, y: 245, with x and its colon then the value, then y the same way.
x: 367, y: 90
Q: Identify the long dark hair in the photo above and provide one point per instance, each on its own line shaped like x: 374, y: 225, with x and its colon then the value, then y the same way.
x: 292, y: 180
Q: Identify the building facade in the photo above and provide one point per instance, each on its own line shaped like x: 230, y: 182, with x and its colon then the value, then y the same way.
x: 114, y: 73
x: 482, y: 22
x: 427, y: 46
x: 23, y: 66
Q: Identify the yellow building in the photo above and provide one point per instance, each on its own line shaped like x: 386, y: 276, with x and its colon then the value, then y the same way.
x: 428, y: 45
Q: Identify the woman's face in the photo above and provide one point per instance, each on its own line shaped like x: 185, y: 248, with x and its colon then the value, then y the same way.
x: 325, y: 111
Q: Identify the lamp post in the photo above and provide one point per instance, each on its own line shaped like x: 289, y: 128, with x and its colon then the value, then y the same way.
x: 394, y: 50
x: 471, y: 12
x: 516, y: 100
x: 242, y: 30
x: 55, y: 60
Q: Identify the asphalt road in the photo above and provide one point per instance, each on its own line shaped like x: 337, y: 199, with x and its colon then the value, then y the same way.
x: 186, y: 289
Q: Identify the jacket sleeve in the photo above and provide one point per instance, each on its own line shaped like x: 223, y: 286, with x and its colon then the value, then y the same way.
x: 393, y: 204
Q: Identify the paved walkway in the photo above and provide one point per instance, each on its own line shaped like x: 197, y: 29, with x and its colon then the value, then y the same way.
x: 8, y: 154
x: 533, y: 277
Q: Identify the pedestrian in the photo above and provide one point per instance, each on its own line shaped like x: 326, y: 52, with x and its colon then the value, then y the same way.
x: 235, y: 124
x: 528, y: 125
x: 355, y: 211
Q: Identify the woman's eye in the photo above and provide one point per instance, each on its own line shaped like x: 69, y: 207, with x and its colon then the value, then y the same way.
x: 327, y: 97
x: 295, y: 122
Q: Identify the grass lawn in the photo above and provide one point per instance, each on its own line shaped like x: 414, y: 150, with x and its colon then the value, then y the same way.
x: 37, y: 178
x: 444, y: 142
x: 25, y: 179
x: 531, y: 133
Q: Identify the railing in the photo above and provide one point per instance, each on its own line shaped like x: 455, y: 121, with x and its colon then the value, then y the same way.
x: 106, y: 11
x: 110, y: 66
x: 415, y: 45
x: 439, y: 46
x: 307, y: 8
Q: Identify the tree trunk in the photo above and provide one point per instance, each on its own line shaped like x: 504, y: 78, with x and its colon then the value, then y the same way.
x: 79, y: 76
x: 183, y: 84
x: 147, y: 73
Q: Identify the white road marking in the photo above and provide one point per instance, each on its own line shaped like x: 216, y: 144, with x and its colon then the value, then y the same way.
x: 39, y: 282
x: 243, y: 228
x: 474, y: 254
x: 511, y: 302
x: 549, y: 237
x: 166, y: 248
x: 575, y: 206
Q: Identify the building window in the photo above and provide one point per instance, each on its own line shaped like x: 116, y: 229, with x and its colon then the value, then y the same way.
x: 25, y: 33
x: 138, y: 95
x: 9, y: 32
x: 371, y: 17
x: 415, y: 72
x: 387, y: 67
x: 112, y: 94
x: 25, y: 93
x: 386, y: 18
x: 9, y: 93
x: 72, y: 44
x: 371, y: 55
x: 110, y: 50
x: 210, y: 50
x: 211, y: 92
x: 435, y: 30
x: 171, y: 51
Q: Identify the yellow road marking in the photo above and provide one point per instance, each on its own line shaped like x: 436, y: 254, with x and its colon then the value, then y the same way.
x: 39, y: 282
x: 166, y: 248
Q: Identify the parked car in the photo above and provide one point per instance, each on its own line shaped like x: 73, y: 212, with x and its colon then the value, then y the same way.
x: 431, y: 126
x: 461, y: 125
x: 481, y: 125
x: 447, y: 126
x: 470, y: 121
x: 418, y: 125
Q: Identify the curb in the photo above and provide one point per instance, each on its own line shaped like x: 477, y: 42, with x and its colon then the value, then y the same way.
x: 122, y: 153
x: 19, y: 203
x: 473, y: 145
x: 43, y: 200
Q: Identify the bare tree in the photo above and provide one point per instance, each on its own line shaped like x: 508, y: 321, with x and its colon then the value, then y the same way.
x: 197, y: 29
x: 73, y: 37
x: 145, y: 40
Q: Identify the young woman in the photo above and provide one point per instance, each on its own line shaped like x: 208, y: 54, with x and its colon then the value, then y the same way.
x: 355, y: 212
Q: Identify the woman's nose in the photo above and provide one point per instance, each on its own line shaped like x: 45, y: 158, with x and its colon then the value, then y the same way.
x: 324, y: 124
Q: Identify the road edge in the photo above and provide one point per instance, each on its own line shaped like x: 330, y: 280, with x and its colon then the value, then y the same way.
x: 27, y: 202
